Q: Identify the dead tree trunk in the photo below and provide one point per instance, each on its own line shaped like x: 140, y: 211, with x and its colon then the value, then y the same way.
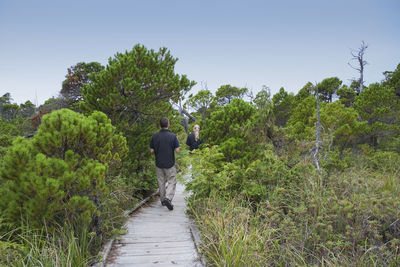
x: 318, y: 133
x: 183, y: 112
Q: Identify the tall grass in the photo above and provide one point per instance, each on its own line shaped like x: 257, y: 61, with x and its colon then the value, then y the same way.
x: 61, y: 247
x: 229, y: 239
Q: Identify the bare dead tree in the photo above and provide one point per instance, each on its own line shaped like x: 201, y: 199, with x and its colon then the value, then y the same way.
x: 183, y: 112
x: 359, y: 57
x: 203, y: 85
x: 318, y: 131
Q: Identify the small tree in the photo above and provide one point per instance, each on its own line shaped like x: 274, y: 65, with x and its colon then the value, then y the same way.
x: 264, y: 117
x: 201, y: 102
x: 10, y: 111
x: 392, y: 79
x: 380, y: 107
x: 227, y: 127
x: 4, y: 99
x: 27, y: 109
x: 301, y: 122
x: 283, y: 105
x: 346, y: 95
x: 226, y: 93
x: 328, y: 88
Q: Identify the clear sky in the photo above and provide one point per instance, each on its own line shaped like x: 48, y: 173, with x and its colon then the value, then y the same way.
x: 243, y: 43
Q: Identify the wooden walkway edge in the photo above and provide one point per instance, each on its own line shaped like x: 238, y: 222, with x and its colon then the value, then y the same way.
x: 157, y: 236
x: 105, y: 251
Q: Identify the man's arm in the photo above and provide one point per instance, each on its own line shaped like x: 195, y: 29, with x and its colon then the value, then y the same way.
x: 151, y: 145
x: 176, y: 145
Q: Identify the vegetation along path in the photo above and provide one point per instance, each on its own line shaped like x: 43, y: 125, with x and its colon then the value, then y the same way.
x: 157, y: 237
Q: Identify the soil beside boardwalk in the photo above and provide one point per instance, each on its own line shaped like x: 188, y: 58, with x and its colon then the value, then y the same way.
x: 157, y: 236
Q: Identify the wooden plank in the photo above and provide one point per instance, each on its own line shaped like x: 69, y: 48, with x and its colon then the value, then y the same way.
x: 158, y: 264
x: 124, y: 251
x: 146, y: 259
x: 154, y: 240
x: 157, y: 245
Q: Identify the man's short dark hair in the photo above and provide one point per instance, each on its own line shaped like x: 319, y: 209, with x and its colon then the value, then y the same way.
x: 164, y: 122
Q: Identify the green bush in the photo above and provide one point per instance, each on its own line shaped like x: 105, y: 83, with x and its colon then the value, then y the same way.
x: 257, y: 182
x: 228, y: 127
x: 59, y: 174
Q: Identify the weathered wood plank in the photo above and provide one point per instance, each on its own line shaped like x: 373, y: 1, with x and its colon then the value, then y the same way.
x: 154, y: 251
x: 146, y: 259
x: 156, y: 245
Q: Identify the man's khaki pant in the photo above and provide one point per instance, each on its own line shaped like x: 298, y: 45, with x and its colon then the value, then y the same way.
x: 166, y: 182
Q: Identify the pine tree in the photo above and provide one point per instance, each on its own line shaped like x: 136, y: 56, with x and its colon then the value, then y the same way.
x: 135, y: 90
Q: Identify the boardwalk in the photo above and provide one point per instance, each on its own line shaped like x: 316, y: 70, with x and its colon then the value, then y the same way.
x: 157, y: 237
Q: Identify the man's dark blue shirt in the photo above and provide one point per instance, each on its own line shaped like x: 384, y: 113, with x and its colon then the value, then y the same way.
x: 164, y: 143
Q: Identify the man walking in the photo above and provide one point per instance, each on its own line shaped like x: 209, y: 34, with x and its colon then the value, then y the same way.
x: 164, y: 144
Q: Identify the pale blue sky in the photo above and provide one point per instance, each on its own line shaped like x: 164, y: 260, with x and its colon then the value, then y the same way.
x: 243, y: 43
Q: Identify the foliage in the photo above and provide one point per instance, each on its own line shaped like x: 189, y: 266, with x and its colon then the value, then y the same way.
x: 135, y: 86
x: 4, y: 99
x: 347, y: 218
x: 346, y: 95
x: 58, y: 175
x: 8, y: 128
x: 267, y: 210
x: 135, y: 90
x: 228, y: 121
x: 328, y: 87
x: 201, y: 102
x: 215, y: 177
x: 53, y: 103
x: 340, y: 124
x: 284, y: 104
x: 78, y: 75
x: 392, y: 79
x: 226, y: 93
x: 228, y: 127
x: 27, y: 109
x: 14, y: 123
x: 263, y: 123
x: 230, y: 237
x: 25, y: 246
x: 304, y: 92
x: 379, y: 106
x: 10, y: 111
x: 299, y: 125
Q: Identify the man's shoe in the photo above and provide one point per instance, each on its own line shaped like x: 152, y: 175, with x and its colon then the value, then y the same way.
x: 163, y: 202
x: 167, y: 203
